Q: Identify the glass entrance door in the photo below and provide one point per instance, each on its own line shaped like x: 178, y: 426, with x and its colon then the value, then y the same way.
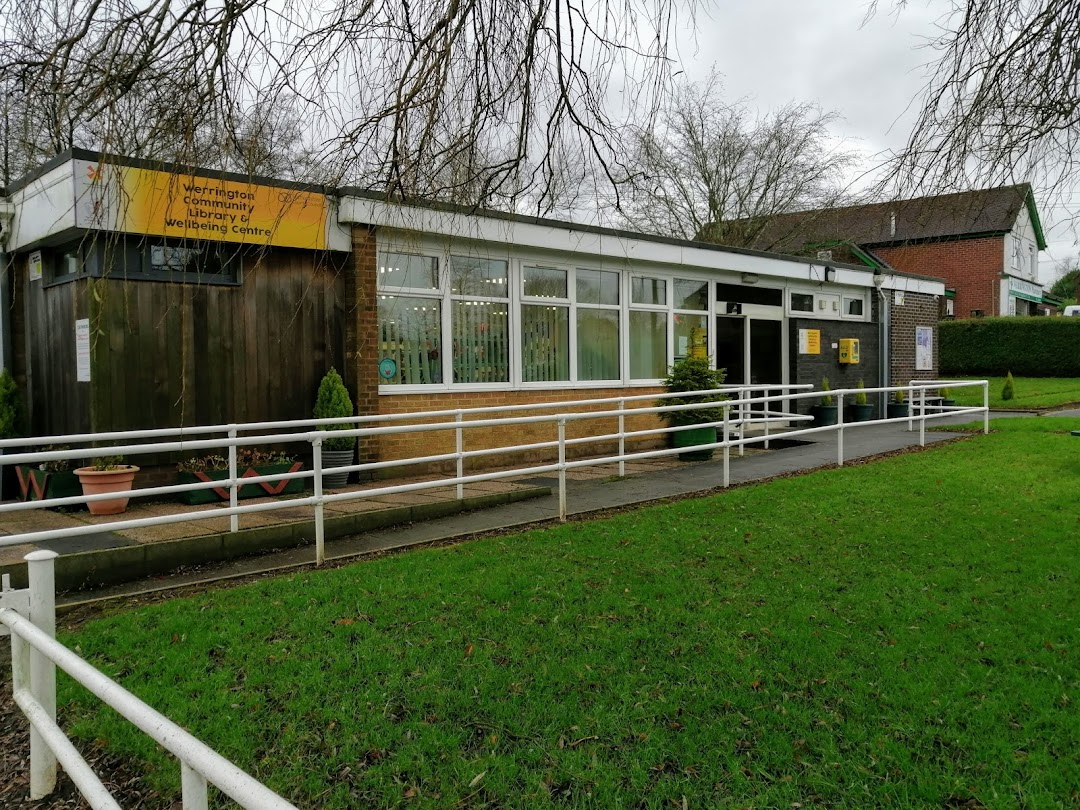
x: 767, y: 358
x: 731, y: 348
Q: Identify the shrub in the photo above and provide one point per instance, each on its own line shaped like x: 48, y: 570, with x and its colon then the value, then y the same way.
x: 898, y: 396
x: 107, y: 463
x: 1032, y: 347
x: 826, y: 399
x: 860, y: 395
x: 693, y: 374
x: 1008, y: 391
x: 11, y: 407
x: 333, y: 401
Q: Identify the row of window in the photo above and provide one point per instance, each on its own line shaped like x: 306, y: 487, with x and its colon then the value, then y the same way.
x: 157, y: 259
x: 457, y: 324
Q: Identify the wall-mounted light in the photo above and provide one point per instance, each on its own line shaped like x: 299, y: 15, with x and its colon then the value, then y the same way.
x: 749, y: 278
x: 830, y: 273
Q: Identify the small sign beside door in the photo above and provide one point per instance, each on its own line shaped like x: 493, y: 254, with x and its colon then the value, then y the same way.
x: 35, y: 266
x: 809, y: 341
x: 82, y: 350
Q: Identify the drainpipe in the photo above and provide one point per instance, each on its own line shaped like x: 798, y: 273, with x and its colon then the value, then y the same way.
x: 883, y: 339
x: 7, y: 212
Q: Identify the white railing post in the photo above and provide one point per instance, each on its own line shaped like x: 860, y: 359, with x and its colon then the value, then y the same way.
x: 767, y: 414
x: 911, y: 408
x: 234, y: 519
x: 839, y: 430
x: 622, y: 438
x: 727, y: 446
x: 317, y: 467
x: 744, y: 409
x: 459, y: 444
x: 41, y: 570
x: 986, y: 406
x: 192, y: 788
x: 562, y: 468
x: 922, y: 417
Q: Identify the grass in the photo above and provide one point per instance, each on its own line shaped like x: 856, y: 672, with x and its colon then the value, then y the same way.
x: 1031, y: 392
x: 898, y: 634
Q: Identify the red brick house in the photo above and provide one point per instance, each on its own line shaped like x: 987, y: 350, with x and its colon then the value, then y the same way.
x: 985, y: 244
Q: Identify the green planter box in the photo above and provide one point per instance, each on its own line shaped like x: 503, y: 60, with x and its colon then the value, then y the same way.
x: 39, y: 485
x: 693, y: 438
x: 825, y: 414
x: 897, y: 410
x: 860, y: 413
x: 261, y: 490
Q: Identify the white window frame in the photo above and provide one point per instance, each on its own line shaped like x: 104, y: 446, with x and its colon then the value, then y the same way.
x: 623, y: 334
x: 533, y: 300
x: 448, y: 327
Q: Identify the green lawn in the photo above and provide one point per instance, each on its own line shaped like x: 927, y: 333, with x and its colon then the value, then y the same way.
x: 1031, y: 392
x: 898, y: 634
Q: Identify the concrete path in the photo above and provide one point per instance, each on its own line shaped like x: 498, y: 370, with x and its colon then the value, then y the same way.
x: 583, y: 497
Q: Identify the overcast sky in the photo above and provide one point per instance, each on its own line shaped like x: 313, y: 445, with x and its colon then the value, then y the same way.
x: 776, y: 51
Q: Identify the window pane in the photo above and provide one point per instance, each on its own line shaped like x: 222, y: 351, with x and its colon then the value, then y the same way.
x: 409, y: 334
x: 545, y: 282
x: 691, y: 294
x: 403, y: 270
x: 481, y: 342
x: 648, y: 291
x: 801, y: 302
x: 689, y: 328
x: 598, y: 344
x: 484, y: 277
x: 648, y: 345
x: 597, y: 287
x: 545, y: 344
x: 854, y: 306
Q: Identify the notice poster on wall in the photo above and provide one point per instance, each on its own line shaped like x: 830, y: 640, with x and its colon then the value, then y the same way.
x: 924, y: 348
x: 82, y: 350
x: 809, y: 341
x: 35, y: 266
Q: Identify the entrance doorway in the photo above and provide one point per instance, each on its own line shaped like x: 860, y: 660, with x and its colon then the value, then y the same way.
x: 752, y: 351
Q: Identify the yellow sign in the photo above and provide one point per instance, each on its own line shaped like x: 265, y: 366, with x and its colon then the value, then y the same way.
x: 190, y: 207
x: 809, y: 341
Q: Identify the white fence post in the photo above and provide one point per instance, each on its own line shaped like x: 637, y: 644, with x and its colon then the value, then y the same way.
x: 459, y: 443
x: 911, y: 408
x: 316, y: 464
x: 41, y: 569
x: 744, y: 409
x: 986, y: 406
x: 562, y: 468
x: 922, y: 417
x: 234, y: 519
x: 727, y: 446
x: 192, y: 788
x: 839, y: 430
x: 622, y: 438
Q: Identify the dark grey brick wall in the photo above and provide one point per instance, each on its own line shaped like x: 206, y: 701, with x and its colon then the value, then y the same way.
x: 810, y: 368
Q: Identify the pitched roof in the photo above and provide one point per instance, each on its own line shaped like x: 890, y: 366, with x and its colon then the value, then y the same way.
x: 967, y: 213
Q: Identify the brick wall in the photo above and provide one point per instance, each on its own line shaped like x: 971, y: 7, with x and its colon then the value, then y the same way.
x: 972, y: 267
x: 810, y: 368
x: 362, y: 330
x: 404, y: 445
x: 918, y: 309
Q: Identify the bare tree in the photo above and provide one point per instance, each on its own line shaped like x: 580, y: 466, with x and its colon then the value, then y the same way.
x: 388, y: 92
x: 712, y: 164
x: 1002, y: 102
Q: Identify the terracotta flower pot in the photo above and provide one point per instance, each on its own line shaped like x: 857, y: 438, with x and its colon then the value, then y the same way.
x: 98, y: 482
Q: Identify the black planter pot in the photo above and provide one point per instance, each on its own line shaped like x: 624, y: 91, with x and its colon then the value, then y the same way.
x: 948, y: 403
x: 693, y: 438
x: 824, y: 415
x: 897, y: 410
x: 860, y: 413
x: 335, y: 458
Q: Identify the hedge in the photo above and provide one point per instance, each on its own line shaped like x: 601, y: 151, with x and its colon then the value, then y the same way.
x: 1028, y: 347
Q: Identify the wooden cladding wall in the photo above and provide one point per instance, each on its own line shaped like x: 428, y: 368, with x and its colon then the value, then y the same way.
x: 168, y: 354
x: 43, y: 338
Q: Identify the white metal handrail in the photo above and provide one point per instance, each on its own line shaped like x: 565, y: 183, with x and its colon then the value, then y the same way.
x: 738, y: 413
x: 30, y: 617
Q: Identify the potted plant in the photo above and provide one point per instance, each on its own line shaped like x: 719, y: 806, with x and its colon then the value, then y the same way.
x: 107, y: 474
x: 861, y: 410
x: 898, y: 407
x: 250, y: 462
x: 49, y: 479
x: 825, y: 413
x: 333, y: 402
x: 693, y: 374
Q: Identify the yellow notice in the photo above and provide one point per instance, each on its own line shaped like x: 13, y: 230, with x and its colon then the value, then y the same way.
x: 188, y: 207
x: 809, y: 341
